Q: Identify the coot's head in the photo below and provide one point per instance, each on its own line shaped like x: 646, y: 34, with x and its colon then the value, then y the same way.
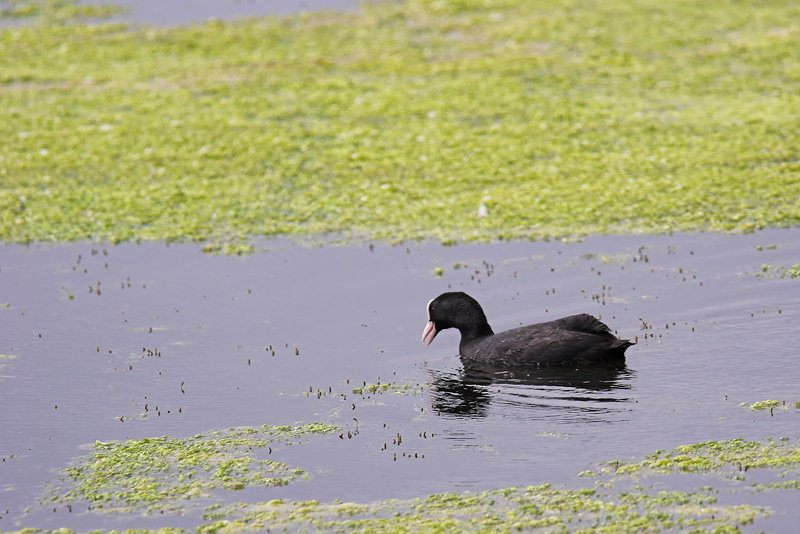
x: 455, y: 310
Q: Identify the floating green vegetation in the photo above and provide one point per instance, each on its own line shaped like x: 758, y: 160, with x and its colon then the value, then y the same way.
x: 163, y: 530
x: 779, y: 271
x: 164, y: 473
x: 761, y: 405
x: 782, y: 485
x: 451, y: 120
x: 732, y: 457
x: 508, y: 510
x: 770, y: 405
x: 237, y: 247
x: 6, y: 358
x: 55, y: 11
x: 542, y: 507
x: 397, y: 389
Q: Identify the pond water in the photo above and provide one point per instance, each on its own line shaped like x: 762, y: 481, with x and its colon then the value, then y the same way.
x: 177, y: 12
x: 92, y: 333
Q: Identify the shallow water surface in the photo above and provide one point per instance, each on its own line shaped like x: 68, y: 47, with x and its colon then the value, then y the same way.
x: 132, y: 341
x: 177, y: 12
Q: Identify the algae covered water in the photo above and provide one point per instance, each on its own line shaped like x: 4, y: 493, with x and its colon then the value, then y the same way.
x: 302, y: 367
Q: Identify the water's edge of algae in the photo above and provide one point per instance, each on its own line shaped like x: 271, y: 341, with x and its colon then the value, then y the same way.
x: 131, y: 487
x: 163, y: 474
x: 731, y: 458
x: 545, y: 507
x: 453, y: 121
x: 540, y: 508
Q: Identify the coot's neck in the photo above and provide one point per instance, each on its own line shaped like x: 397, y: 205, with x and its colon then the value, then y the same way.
x: 471, y: 332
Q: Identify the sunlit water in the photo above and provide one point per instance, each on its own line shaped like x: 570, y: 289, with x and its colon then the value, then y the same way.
x: 719, y: 332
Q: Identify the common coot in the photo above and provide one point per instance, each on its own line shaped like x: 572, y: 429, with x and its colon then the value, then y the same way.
x: 574, y: 339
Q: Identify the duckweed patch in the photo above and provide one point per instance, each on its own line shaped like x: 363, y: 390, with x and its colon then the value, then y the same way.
x: 541, y: 507
x: 508, y: 510
x: 731, y: 458
x: 48, y: 12
x: 396, y: 389
x: 782, y: 485
x: 762, y: 405
x: 770, y: 405
x: 469, y: 120
x: 780, y: 271
x: 163, y: 473
x: 237, y: 247
x: 163, y: 530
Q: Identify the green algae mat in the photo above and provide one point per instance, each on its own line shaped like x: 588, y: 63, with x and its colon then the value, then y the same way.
x: 122, y: 478
x: 450, y: 120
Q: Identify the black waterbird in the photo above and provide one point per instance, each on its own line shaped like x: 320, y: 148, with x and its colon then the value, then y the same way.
x: 577, y: 339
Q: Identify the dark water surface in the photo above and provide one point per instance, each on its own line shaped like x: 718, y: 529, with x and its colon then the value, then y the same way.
x: 719, y: 332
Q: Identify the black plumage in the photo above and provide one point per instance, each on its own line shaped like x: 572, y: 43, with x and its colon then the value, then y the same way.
x: 577, y: 339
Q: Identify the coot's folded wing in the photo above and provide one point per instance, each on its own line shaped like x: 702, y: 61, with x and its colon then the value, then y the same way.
x: 576, y: 339
x: 583, y: 322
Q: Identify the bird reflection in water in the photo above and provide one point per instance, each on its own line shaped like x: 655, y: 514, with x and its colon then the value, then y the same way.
x: 584, y: 392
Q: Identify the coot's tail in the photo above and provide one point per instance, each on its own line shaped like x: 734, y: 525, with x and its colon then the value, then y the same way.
x: 618, y: 347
